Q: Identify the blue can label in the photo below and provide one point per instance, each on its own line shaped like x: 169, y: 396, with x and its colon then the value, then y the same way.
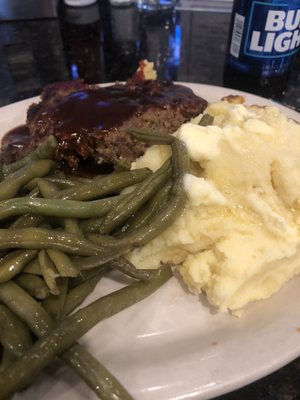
x: 265, y: 36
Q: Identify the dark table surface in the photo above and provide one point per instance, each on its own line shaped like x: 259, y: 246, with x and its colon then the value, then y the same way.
x: 104, y: 44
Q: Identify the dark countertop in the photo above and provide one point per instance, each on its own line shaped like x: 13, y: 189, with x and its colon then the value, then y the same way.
x: 105, y: 44
x: 185, y: 46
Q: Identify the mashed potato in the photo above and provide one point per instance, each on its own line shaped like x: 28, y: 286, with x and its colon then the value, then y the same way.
x: 238, y: 237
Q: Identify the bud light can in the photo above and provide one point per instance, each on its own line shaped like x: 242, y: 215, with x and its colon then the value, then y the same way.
x: 264, y: 38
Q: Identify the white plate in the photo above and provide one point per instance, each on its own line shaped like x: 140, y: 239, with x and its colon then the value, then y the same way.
x: 173, y: 346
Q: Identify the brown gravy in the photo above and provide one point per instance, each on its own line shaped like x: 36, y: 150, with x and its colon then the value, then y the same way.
x: 101, y: 109
x: 80, y: 117
x: 110, y: 107
x: 15, y: 139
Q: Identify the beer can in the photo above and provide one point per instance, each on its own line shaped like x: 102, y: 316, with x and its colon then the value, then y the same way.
x: 263, y: 41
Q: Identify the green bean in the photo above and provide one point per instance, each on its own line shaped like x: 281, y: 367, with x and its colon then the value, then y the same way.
x: 46, y: 188
x: 119, y: 263
x: 105, y: 185
x: 3, y: 253
x: 72, y: 328
x: 105, y: 241
x: 108, y: 388
x: 127, y: 268
x: 63, y: 263
x: 143, y: 192
x: 44, y: 151
x: 7, y: 359
x: 206, y: 120
x: 40, y: 322
x: 66, y: 179
x: 27, y: 221
x: 106, y: 249
x: 54, y: 304
x: 57, y: 208
x: 49, y: 271
x: 150, y: 137
x: 180, y: 161
x: 33, y: 193
x: 34, y: 285
x: 40, y: 238
x: 26, y: 308
x: 176, y: 201
x: 64, y: 182
x: 164, y: 218
x: 32, y: 184
x: 86, y: 275
x: 14, y: 262
x: 86, y: 263
x: 14, y: 333
x: 49, y: 189
x: 144, y: 214
x: 13, y: 182
x: 79, y: 293
x: 71, y: 225
x: 33, y: 267
x: 106, y: 254
x: 94, y: 224
x: 61, y: 182
x: 91, y: 224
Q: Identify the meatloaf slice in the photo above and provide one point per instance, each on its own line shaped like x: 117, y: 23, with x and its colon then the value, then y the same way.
x: 90, y: 122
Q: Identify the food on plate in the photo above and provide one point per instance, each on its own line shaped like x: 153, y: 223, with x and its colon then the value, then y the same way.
x: 50, y: 262
x: 90, y: 123
x: 238, y: 238
x: 216, y: 197
x: 61, y: 341
x: 145, y: 71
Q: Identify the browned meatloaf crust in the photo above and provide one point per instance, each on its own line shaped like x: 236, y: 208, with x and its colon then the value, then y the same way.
x: 90, y: 122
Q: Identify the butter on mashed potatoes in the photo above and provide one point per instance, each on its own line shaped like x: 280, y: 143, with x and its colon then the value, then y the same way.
x: 238, y: 237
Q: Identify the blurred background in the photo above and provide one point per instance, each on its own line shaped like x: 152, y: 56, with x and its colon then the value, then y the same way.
x: 43, y: 41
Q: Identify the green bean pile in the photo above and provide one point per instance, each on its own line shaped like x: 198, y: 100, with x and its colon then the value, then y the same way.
x: 59, y: 235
